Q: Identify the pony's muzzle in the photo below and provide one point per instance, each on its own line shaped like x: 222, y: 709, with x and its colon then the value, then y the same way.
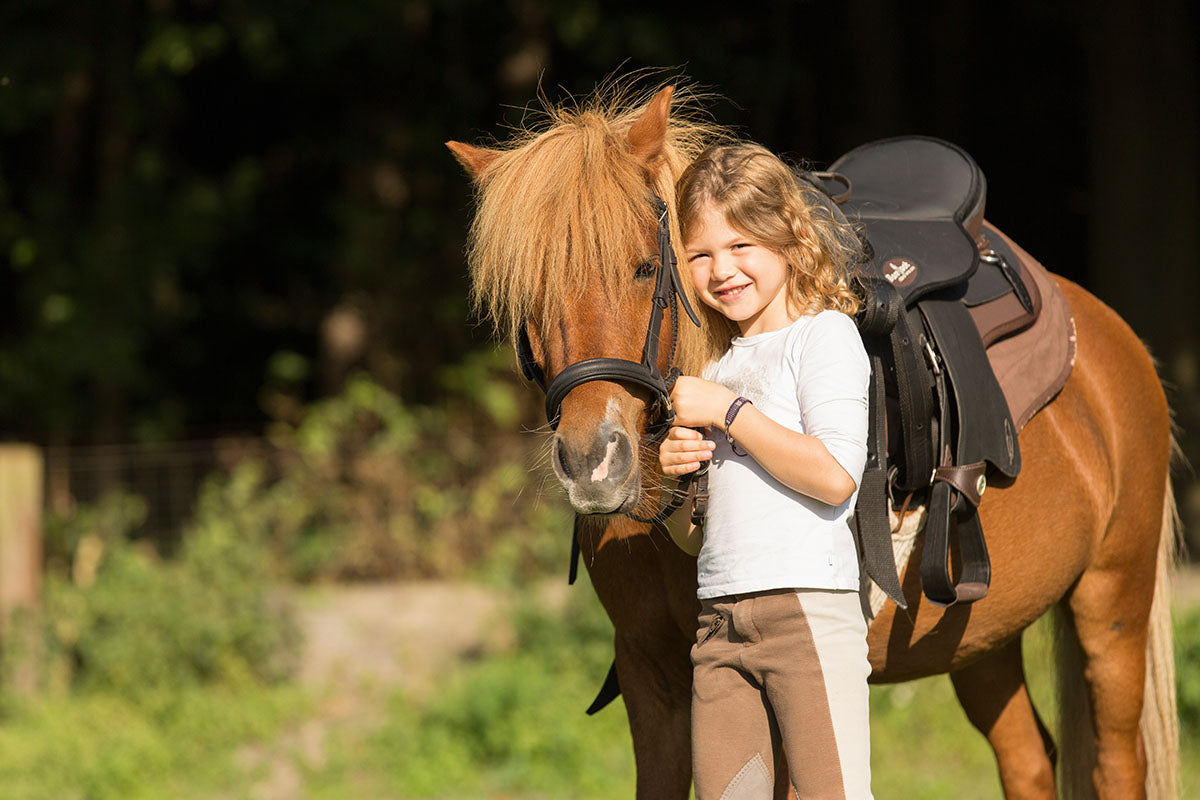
x: 596, y: 472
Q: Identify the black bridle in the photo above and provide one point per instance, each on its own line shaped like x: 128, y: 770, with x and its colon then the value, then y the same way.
x: 668, y: 292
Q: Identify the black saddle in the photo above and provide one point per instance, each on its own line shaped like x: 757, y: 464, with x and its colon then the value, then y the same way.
x: 918, y: 203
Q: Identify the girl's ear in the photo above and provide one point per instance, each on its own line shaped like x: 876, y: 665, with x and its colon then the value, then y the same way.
x: 649, y: 132
x: 474, y: 159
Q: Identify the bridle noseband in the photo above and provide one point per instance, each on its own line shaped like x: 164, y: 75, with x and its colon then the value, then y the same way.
x: 668, y: 292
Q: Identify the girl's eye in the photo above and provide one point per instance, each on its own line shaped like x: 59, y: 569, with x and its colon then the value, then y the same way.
x: 740, y: 245
x: 646, y: 269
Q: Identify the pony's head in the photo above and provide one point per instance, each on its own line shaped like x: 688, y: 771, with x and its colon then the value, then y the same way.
x: 565, y: 251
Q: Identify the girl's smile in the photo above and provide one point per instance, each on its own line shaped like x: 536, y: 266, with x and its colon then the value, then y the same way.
x: 743, y: 280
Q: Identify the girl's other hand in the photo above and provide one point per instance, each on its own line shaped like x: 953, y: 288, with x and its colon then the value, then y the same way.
x: 699, y: 403
x: 683, y: 450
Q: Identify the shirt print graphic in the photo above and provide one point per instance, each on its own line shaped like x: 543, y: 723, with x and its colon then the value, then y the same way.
x: 752, y: 384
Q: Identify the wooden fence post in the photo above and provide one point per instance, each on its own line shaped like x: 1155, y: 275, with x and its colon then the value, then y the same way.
x: 20, y: 564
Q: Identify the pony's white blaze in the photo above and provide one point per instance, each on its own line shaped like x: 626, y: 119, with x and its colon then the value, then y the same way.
x: 612, y: 412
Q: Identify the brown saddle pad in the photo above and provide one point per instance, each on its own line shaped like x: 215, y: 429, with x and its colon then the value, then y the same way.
x: 1033, y: 364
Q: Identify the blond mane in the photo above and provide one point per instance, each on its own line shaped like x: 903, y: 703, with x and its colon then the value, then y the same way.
x: 566, y: 199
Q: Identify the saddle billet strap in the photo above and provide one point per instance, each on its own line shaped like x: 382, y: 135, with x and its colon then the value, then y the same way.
x: 916, y: 405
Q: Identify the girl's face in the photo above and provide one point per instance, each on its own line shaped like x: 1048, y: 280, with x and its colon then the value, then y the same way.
x: 738, y: 277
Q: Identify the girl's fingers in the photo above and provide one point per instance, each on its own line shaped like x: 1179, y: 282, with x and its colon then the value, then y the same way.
x: 687, y: 451
x: 681, y: 433
x: 684, y: 450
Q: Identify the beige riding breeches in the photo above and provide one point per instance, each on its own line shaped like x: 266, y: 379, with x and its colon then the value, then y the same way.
x: 781, y: 671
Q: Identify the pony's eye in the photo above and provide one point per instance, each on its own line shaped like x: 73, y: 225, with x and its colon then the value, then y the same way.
x: 646, y: 269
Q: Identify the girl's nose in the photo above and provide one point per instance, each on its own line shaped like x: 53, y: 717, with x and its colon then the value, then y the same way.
x: 723, y: 268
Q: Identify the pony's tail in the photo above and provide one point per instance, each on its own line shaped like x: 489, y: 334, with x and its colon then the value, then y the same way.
x: 1160, y: 716
x: 1160, y: 719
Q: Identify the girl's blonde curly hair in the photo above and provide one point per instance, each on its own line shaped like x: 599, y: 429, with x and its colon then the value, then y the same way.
x: 764, y: 199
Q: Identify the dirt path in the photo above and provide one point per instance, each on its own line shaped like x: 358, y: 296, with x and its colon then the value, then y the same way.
x: 361, y: 643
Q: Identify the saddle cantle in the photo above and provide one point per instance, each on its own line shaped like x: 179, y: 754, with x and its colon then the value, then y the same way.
x: 941, y: 286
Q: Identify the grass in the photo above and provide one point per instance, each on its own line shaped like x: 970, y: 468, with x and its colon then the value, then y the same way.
x: 97, y: 746
x: 508, y: 725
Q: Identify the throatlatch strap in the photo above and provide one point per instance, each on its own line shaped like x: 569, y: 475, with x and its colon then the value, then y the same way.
x: 573, y: 572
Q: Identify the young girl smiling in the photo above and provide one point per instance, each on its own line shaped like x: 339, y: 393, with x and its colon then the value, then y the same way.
x: 780, y: 660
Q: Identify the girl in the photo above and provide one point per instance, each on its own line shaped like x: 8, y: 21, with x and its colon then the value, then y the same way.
x: 781, y: 653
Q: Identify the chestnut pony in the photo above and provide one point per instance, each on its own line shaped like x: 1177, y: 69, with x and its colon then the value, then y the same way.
x: 564, y: 250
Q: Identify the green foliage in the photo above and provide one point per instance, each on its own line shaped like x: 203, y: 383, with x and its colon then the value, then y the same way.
x: 1187, y: 674
x: 363, y: 486
x: 123, y: 620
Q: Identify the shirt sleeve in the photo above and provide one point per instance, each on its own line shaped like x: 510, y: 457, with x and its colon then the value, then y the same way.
x: 834, y: 378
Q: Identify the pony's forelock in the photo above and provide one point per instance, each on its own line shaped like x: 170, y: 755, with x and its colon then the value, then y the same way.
x: 566, y: 200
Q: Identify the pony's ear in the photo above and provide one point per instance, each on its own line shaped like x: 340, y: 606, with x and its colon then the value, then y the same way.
x: 474, y: 159
x: 649, y: 132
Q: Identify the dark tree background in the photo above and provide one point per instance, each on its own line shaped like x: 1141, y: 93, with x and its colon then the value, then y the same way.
x: 211, y: 211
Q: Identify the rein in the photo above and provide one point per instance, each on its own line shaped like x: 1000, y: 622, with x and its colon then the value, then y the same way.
x: 668, y: 293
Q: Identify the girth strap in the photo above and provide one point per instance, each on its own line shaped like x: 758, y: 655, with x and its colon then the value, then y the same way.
x: 881, y: 309
x: 871, y: 516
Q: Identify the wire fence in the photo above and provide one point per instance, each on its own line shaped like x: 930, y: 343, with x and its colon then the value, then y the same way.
x: 167, y: 476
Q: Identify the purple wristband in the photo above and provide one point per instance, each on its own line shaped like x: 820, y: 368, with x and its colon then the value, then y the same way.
x: 730, y: 415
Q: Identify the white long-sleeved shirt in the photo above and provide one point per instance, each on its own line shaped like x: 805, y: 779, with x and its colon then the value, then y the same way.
x: 811, y: 376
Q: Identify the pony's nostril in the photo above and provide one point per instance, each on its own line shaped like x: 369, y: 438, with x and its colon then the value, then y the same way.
x: 561, y: 455
x: 614, y: 437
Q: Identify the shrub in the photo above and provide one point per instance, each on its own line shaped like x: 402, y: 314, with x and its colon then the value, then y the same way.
x: 122, y: 619
x: 362, y: 486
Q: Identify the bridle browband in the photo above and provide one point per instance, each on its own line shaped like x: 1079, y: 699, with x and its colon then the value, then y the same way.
x: 668, y: 292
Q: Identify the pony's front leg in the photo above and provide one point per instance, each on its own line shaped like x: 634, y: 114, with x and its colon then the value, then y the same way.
x: 992, y: 691
x: 656, y: 681
x: 648, y: 587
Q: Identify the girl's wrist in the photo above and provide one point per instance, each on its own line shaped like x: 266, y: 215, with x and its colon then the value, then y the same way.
x: 722, y: 410
x: 735, y: 408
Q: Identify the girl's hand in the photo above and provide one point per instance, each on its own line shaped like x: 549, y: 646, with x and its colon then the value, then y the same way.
x: 699, y: 403
x: 683, y: 450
